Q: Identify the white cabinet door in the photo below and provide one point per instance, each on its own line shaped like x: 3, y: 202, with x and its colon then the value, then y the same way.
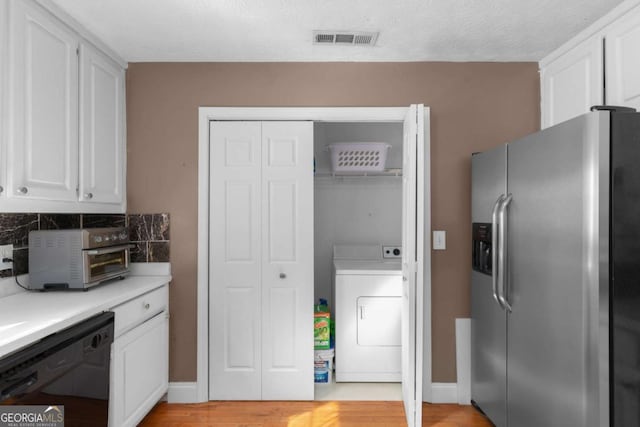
x: 572, y: 83
x: 139, y: 376
x: 43, y: 106
x: 261, y: 274
x: 287, y: 261
x: 102, y: 153
x: 623, y: 61
x: 234, y: 281
x: 4, y: 24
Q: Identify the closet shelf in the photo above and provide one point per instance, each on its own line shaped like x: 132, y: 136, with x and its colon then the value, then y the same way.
x: 387, y: 172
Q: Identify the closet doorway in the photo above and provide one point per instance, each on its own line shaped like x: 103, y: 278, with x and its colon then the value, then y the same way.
x: 416, y: 343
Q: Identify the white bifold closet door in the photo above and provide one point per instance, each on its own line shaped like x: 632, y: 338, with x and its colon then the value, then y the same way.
x: 261, y: 261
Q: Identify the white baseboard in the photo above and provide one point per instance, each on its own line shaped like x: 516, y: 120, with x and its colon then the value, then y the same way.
x: 187, y: 392
x: 182, y: 393
x: 444, y: 393
x: 463, y: 360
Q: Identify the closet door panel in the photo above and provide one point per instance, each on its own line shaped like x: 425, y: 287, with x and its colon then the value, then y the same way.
x: 240, y: 216
x: 282, y: 221
x: 287, y: 263
x: 283, y: 348
x: 235, y: 277
x: 239, y: 330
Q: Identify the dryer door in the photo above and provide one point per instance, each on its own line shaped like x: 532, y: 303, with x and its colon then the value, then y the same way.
x: 379, y: 321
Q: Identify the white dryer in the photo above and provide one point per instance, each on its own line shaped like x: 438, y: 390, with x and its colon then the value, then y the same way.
x: 367, y: 309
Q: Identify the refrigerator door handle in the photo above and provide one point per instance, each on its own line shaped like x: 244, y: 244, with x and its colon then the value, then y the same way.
x: 494, y: 249
x: 502, y: 250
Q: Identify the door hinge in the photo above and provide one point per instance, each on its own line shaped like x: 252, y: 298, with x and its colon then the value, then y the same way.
x: 78, y: 51
x: 411, y: 267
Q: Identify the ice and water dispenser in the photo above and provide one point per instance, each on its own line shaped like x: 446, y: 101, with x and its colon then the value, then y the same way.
x: 481, y: 257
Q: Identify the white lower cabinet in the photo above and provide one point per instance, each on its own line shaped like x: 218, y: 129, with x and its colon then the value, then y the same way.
x: 140, y: 358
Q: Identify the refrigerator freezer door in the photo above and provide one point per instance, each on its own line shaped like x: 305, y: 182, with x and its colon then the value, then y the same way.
x: 488, y: 319
x: 625, y: 252
x: 558, y: 254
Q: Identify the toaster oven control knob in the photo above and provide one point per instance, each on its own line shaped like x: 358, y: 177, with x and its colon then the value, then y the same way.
x: 88, y: 196
x: 114, y: 237
x: 23, y: 190
x: 97, y: 239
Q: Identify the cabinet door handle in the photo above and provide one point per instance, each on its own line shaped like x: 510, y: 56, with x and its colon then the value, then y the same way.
x: 1, y: 188
x: 88, y: 195
x: 147, y: 305
x: 283, y: 276
x: 23, y: 190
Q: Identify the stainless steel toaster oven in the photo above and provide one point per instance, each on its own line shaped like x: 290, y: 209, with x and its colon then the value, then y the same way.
x: 77, y: 259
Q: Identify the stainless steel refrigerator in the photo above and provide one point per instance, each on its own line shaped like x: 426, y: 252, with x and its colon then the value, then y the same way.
x: 556, y: 275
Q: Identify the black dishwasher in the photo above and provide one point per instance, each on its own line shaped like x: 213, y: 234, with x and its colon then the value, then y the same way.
x: 70, y: 368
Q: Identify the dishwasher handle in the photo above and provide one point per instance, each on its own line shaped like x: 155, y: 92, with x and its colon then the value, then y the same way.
x: 18, y: 385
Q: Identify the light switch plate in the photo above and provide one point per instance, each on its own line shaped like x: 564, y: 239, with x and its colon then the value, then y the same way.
x: 6, y: 251
x: 439, y: 240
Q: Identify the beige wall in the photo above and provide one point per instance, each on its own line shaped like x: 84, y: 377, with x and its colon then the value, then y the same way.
x: 474, y: 106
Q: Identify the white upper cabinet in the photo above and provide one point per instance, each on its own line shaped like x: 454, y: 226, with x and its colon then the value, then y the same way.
x: 623, y: 61
x: 3, y: 97
x: 102, y: 156
x: 573, y: 77
x: 43, y: 106
x: 63, y: 135
x: 572, y: 83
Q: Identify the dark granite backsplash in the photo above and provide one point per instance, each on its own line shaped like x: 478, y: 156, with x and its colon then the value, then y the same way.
x: 59, y: 221
x: 15, y: 228
x: 148, y: 232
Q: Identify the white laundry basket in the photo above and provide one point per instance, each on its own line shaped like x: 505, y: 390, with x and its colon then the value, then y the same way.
x: 359, y: 156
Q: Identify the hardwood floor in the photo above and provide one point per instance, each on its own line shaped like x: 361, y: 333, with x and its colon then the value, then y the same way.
x: 308, y: 414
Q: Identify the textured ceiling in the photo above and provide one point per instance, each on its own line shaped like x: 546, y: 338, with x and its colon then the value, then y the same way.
x: 281, y: 30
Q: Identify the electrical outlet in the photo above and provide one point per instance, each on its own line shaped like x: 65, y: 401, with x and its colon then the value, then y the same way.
x: 392, y: 252
x: 6, y: 251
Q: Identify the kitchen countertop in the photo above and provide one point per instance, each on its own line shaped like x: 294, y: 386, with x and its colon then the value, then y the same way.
x: 27, y: 317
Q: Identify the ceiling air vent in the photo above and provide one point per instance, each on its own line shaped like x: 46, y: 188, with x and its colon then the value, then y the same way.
x: 345, y: 38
